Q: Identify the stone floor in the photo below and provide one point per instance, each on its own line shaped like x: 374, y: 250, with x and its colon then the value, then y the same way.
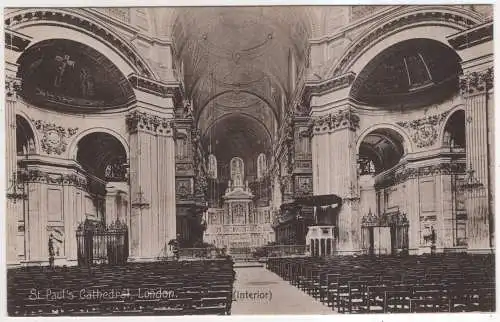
x: 259, y: 291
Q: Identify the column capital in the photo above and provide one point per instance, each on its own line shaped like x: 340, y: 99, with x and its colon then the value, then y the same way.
x: 476, y: 82
x: 345, y: 118
x: 12, y: 87
x: 149, y: 123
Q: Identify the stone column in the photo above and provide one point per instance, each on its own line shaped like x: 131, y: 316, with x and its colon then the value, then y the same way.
x: 475, y: 47
x: 477, y: 87
x: 413, y: 212
x: 13, y: 202
x: 152, y: 184
x: 334, y: 165
x: 334, y: 169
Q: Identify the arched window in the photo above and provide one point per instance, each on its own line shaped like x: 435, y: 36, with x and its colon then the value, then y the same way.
x: 237, y: 171
x: 261, y: 166
x: 212, y: 166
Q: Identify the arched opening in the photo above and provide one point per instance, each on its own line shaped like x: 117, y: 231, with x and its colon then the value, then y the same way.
x: 380, y: 150
x: 411, y: 73
x: 25, y: 138
x: 454, y: 131
x: 454, y: 141
x: 103, y: 156
x: 104, y: 160
x: 384, y: 227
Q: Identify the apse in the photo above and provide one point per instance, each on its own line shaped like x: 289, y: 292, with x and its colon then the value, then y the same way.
x: 67, y: 75
x: 412, y: 73
x: 237, y: 135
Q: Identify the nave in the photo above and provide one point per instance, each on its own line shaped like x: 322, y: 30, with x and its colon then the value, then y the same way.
x: 159, y: 288
x: 271, y: 295
x: 394, y: 284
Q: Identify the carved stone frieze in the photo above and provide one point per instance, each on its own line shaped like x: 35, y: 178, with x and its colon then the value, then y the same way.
x: 332, y: 84
x: 390, y: 26
x: 472, y: 36
x: 183, y: 167
x: 39, y: 176
x: 26, y: 16
x: 12, y: 87
x: 303, y: 185
x: 157, y: 88
x: 183, y: 190
x: 425, y: 131
x: 141, y: 121
x: 406, y: 173
x: 346, y: 118
x: 54, y: 136
x: 476, y: 82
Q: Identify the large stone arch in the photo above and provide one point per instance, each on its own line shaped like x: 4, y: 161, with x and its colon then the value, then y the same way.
x: 408, y: 23
x: 451, y: 112
x: 407, y: 142
x: 73, y: 146
x: 45, y: 24
x: 29, y: 121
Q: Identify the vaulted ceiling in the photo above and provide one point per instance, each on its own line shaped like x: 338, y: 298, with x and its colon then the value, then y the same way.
x: 238, y: 56
x: 237, y: 63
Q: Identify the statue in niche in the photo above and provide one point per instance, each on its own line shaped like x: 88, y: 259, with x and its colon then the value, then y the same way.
x: 212, y: 166
x: 188, y: 109
x: 63, y: 63
x: 261, y: 166
x: 237, y: 171
x: 86, y: 83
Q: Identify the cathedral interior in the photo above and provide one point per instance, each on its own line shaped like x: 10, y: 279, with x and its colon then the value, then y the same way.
x: 345, y: 129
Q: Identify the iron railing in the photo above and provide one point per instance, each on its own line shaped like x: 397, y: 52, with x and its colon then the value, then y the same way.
x: 100, y: 244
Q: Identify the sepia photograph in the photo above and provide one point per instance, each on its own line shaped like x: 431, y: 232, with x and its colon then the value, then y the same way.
x: 249, y: 160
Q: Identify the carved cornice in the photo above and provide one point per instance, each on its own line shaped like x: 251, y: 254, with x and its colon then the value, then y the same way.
x: 472, y: 37
x: 16, y: 41
x: 332, y: 84
x: 141, y: 121
x: 346, y: 118
x: 79, y: 21
x: 39, y: 176
x: 54, y: 136
x: 12, y: 87
x: 405, y: 173
x: 151, y: 86
x: 425, y: 131
x: 447, y: 17
x: 476, y: 82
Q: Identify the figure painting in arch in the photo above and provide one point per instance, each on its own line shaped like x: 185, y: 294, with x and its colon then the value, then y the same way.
x: 86, y: 83
x: 62, y: 64
x: 237, y: 171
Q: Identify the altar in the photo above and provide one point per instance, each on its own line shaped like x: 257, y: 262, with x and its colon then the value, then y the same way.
x: 239, y: 223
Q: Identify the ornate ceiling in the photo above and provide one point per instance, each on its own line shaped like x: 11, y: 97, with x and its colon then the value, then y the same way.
x: 68, y: 75
x: 240, y: 55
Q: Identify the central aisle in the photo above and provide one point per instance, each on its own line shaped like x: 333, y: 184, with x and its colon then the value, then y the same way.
x: 259, y: 291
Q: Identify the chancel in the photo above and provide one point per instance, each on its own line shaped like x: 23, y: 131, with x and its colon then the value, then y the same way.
x: 347, y: 150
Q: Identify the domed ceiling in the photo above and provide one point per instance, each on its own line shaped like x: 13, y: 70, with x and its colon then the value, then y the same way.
x: 242, y: 52
x: 65, y: 74
x: 412, y: 73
